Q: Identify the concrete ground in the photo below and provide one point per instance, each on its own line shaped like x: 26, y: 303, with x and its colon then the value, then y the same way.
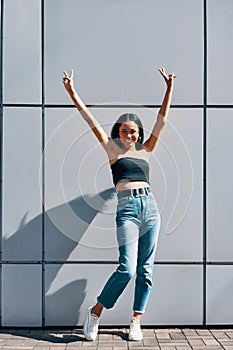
x: 117, y: 339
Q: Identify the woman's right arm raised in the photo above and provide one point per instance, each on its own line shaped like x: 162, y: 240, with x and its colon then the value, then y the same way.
x: 85, y: 113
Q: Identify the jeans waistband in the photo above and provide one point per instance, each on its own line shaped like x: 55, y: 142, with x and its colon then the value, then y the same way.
x: 133, y: 192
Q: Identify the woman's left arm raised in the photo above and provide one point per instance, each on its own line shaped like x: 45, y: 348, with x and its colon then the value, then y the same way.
x: 163, y: 112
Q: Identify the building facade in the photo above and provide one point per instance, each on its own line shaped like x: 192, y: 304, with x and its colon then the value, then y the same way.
x: 57, y: 197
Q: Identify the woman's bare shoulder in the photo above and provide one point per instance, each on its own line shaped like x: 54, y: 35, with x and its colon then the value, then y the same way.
x: 112, y: 150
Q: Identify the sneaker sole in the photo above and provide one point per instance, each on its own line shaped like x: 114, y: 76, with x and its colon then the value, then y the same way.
x: 135, y: 339
x: 87, y: 336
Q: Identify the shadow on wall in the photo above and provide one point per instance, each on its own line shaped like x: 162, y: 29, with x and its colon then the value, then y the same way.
x: 26, y: 245
x: 64, y: 305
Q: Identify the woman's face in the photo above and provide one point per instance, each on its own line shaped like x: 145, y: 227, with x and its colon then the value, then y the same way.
x: 128, y: 134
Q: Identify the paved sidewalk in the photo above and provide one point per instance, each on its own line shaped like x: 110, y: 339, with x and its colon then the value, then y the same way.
x: 117, y: 339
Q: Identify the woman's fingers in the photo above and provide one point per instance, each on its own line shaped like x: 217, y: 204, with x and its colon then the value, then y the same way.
x: 67, y: 79
x: 166, y: 76
x: 162, y: 71
x: 171, y: 75
x: 66, y: 76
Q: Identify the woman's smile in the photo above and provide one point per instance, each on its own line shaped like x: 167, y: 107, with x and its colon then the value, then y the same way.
x: 129, y: 133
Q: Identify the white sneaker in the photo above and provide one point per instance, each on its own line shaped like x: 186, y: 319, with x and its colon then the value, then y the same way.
x: 135, y: 332
x: 90, y: 328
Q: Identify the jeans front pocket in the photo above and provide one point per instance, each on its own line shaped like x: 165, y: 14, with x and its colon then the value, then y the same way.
x: 151, y: 210
x: 125, y: 209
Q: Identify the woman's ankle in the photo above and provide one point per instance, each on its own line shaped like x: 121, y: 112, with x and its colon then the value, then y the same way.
x: 97, y: 309
x: 137, y: 316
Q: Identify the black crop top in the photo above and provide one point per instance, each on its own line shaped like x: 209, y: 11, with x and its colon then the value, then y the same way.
x: 131, y: 169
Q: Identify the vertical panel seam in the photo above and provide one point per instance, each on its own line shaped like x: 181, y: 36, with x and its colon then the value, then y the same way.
x: 204, y: 156
x: 1, y: 154
x: 43, y: 163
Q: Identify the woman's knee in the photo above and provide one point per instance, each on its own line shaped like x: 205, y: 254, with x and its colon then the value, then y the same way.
x: 144, y: 279
x: 145, y: 271
x: 126, y: 272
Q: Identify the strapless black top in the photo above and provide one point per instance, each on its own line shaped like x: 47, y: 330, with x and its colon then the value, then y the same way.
x: 130, y: 169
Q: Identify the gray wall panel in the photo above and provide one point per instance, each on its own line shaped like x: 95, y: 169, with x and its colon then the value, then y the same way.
x: 115, y: 47
x: 21, y: 295
x: 22, y: 51
x: 219, y: 186
x: 73, y: 199
x: 81, y: 200
x: 65, y: 293
x: 219, y: 295
x: 176, y: 297
x: 22, y: 205
x: 220, y: 53
x: 180, y: 156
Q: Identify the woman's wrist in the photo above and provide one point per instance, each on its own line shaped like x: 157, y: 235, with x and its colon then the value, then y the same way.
x: 170, y: 87
x: 71, y: 91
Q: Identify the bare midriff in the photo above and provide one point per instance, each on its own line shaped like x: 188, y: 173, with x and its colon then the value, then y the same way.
x: 126, y: 185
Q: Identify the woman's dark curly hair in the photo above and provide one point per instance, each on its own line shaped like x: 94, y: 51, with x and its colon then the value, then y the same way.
x: 125, y: 118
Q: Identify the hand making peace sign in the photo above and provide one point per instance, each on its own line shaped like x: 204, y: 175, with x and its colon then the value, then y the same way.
x: 169, y: 78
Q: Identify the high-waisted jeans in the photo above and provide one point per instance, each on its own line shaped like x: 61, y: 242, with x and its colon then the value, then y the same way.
x: 138, y: 224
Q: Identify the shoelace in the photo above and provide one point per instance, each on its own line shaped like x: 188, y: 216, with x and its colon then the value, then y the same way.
x: 134, y: 325
x: 94, y: 322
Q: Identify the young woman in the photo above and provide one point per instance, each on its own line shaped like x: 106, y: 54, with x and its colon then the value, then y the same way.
x: 137, y: 217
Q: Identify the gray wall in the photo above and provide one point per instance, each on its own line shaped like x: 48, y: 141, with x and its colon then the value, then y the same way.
x: 58, y: 201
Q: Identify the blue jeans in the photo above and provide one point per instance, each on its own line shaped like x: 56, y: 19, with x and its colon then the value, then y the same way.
x: 138, y: 224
